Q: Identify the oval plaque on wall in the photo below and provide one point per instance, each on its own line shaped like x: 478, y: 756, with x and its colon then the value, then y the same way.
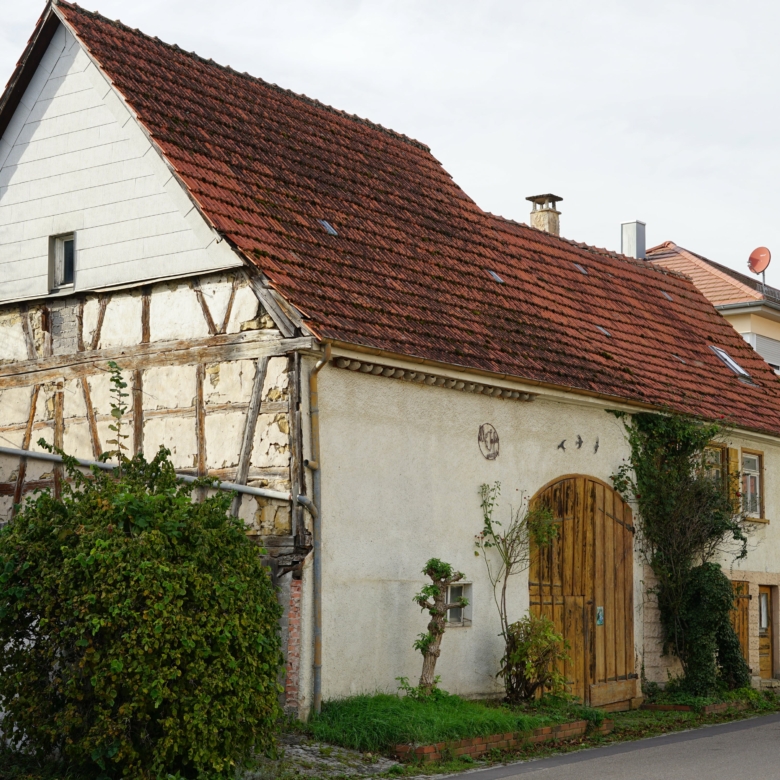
x: 488, y: 441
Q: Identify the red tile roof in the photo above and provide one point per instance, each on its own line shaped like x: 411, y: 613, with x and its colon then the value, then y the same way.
x: 721, y: 285
x: 408, y: 271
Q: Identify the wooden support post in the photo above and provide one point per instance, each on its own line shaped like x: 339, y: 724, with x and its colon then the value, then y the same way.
x: 297, y: 471
x: 102, y: 304
x: 200, y: 425
x: 91, y: 419
x: 25, y: 446
x: 146, y: 306
x: 250, y: 424
x: 59, y: 435
x: 229, y: 309
x: 204, y: 307
x: 138, y: 412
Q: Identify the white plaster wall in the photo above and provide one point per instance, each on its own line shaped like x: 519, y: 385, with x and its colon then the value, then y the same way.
x: 401, y: 470
x: 74, y: 158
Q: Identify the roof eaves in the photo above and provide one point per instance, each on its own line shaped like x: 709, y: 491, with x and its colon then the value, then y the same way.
x: 27, y: 65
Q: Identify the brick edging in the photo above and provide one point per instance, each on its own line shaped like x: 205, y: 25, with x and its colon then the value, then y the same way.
x: 708, y: 709
x: 476, y: 746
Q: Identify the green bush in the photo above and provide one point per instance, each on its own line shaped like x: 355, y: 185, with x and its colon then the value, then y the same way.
x: 533, y: 658
x: 382, y: 721
x: 711, y: 648
x: 139, y: 629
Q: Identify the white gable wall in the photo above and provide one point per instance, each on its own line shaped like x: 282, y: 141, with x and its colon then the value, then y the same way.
x: 74, y: 158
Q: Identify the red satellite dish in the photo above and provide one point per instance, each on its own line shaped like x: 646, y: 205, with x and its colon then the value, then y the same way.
x: 759, y: 259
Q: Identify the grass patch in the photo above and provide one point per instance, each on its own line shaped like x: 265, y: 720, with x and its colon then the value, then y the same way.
x: 380, y: 722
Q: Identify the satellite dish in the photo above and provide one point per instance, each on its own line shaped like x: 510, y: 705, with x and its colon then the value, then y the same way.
x: 759, y: 259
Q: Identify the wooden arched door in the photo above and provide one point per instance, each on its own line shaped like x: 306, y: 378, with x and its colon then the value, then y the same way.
x: 584, y: 582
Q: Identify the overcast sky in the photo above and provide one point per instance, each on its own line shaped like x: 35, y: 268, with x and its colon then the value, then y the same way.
x: 661, y: 111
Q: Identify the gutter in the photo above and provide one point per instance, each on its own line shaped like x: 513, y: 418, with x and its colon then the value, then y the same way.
x: 316, y: 513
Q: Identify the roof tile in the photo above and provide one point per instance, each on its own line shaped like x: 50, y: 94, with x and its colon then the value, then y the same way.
x: 407, y: 272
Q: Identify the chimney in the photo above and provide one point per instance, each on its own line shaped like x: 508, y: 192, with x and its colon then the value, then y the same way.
x: 632, y: 239
x: 544, y: 215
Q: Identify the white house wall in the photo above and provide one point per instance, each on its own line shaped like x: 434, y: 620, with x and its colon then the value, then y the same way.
x: 401, y: 470
x: 74, y: 159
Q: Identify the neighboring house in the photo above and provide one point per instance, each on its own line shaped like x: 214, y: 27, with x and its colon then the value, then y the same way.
x: 752, y: 308
x: 219, y: 237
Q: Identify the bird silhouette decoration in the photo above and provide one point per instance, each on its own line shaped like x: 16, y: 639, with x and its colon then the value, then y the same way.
x: 562, y: 445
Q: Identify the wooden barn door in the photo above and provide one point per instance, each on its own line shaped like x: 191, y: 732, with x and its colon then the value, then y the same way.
x: 584, y: 582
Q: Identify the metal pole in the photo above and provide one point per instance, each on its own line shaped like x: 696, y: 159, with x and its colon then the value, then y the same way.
x: 232, y: 486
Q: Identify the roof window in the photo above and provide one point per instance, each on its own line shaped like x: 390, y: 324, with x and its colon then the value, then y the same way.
x: 666, y: 295
x: 730, y: 362
x: 495, y: 276
x: 329, y: 229
x: 604, y: 331
x: 582, y: 270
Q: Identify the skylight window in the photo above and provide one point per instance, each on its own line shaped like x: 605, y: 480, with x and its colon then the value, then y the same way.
x: 730, y: 362
x: 495, y: 276
x: 666, y: 295
x: 329, y: 229
x: 604, y: 330
x: 581, y: 268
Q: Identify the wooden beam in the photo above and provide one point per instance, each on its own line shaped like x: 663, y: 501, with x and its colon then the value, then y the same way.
x: 266, y: 297
x: 146, y: 307
x: 102, y: 304
x: 297, y: 475
x: 32, y: 354
x: 59, y: 436
x: 93, y: 430
x: 25, y: 446
x: 250, y: 424
x: 229, y: 310
x: 204, y: 307
x: 138, y: 411
x: 228, y: 347
x: 80, y: 326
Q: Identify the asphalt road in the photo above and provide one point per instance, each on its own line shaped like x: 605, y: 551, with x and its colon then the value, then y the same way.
x: 745, y: 750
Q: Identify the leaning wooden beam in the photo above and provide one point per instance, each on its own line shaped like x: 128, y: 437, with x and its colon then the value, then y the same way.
x: 204, y: 307
x: 266, y: 297
x: 93, y: 429
x: 250, y: 424
x: 103, y: 303
x: 235, y: 346
x: 25, y: 445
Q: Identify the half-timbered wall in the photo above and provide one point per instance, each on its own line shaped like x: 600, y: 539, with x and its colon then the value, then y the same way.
x: 210, y: 378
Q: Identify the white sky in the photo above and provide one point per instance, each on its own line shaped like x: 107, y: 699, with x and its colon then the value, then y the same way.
x: 655, y: 110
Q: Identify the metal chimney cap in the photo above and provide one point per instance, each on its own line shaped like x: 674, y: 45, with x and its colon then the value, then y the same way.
x: 544, y: 200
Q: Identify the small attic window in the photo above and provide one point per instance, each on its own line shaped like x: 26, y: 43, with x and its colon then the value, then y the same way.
x: 604, y: 331
x: 495, y: 276
x: 730, y: 362
x: 666, y: 295
x: 329, y: 229
x: 581, y: 269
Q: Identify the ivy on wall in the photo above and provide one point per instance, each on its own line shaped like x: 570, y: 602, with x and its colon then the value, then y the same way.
x: 687, y: 519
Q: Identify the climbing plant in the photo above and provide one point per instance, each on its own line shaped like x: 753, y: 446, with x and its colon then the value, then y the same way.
x: 532, y: 649
x: 686, y: 519
x: 433, y: 598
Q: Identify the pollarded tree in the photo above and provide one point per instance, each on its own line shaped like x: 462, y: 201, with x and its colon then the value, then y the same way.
x: 433, y: 597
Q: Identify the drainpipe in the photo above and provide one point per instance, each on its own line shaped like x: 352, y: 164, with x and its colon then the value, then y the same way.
x: 314, y: 465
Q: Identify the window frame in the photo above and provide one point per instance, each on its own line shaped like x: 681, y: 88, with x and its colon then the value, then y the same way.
x: 722, y: 451
x: 760, y: 517
x: 57, y: 282
x: 465, y: 620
